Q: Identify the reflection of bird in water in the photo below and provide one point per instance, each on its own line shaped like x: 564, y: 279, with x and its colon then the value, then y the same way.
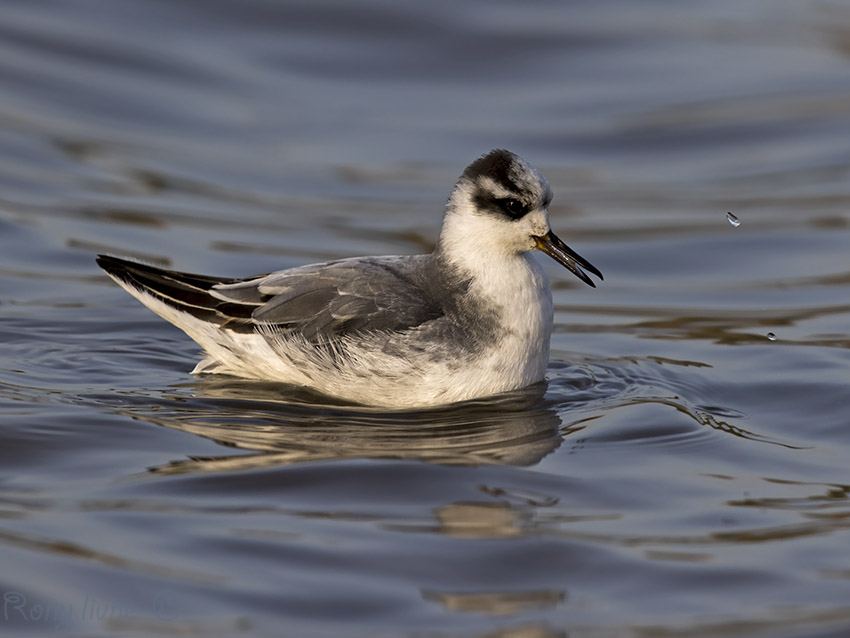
x: 516, y: 429
x: 469, y: 320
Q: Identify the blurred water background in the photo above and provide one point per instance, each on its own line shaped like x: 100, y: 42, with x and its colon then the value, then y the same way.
x: 683, y: 475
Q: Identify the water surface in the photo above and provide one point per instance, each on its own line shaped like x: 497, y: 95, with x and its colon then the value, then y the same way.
x: 679, y: 474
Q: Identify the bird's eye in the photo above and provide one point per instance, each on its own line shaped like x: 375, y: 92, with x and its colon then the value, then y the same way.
x: 515, y: 208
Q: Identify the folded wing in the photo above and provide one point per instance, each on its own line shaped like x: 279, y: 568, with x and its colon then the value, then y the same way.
x: 322, y: 302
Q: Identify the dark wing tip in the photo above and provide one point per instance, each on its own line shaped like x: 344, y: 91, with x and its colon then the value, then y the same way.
x: 113, y: 265
x: 126, y: 268
x: 103, y: 260
x: 187, y: 292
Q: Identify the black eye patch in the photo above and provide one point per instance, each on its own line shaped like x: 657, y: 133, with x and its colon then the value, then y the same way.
x: 509, y: 207
x: 513, y: 208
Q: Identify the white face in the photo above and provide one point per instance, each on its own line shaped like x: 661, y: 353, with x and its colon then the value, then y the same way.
x: 516, y: 213
x: 501, y: 205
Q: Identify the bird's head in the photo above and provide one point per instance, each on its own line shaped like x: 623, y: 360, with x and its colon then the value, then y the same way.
x: 500, y: 206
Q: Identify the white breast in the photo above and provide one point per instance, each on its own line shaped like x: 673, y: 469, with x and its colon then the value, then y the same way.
x: 520, y: 290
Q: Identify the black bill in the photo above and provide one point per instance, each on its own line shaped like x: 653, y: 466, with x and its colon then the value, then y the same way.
x: 567, y: 257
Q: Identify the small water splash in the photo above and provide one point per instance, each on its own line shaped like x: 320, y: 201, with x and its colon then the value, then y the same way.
x: 733, y: 220
x: 771, y: 336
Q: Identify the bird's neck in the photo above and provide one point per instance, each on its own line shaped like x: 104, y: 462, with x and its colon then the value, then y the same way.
x: 488, y: 260
x: 511, y: 289
x: 488, y: 271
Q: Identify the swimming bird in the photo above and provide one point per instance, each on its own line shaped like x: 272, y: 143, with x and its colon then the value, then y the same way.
x: 471, y: 319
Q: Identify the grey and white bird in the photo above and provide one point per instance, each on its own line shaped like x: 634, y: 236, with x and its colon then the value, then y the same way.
x: 471, y: 319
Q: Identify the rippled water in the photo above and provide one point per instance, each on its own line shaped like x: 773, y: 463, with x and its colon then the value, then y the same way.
x: 681, y: 473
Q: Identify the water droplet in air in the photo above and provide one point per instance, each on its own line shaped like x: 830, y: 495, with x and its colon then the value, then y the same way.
x: 771, y: 336
x: 733, y: 220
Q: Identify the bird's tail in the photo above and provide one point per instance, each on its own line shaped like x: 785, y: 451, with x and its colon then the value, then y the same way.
x: 167, y: 292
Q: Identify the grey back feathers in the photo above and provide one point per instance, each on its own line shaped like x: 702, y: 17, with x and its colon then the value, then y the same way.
x: 322, y: 303
x: 327, y: 301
